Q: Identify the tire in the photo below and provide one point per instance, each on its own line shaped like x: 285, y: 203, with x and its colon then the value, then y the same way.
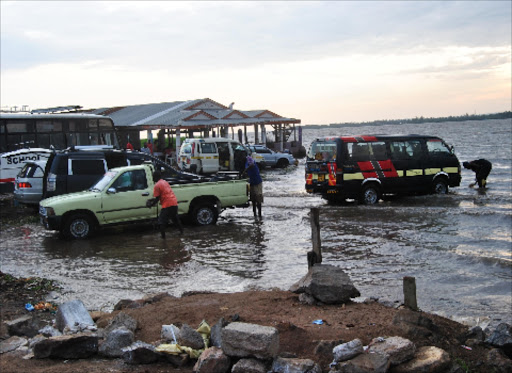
x: 205, y: 214
x: 439, y: 186
x: 370, y: 195
x: 282, y: 163
x: 78, y: 226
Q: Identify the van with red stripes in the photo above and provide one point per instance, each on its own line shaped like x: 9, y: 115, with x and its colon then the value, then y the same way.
x: 367, y: 167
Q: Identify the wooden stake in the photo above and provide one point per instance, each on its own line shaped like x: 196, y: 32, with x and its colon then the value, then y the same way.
x: 410, y: 293
x: 316, y: 256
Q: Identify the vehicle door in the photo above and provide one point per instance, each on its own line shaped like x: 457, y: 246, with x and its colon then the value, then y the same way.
x: 270, y: 157
x: 224, y: 155
x: 209, y: 157
x: 408, y: 160
x: 125, y: 199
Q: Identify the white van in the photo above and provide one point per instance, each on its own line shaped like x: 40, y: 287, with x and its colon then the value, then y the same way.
x: 214, y: 154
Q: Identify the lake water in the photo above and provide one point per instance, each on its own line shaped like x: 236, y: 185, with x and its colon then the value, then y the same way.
x: 457, y: 246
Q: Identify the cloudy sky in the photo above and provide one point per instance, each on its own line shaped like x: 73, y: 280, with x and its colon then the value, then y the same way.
x: 321, y: 62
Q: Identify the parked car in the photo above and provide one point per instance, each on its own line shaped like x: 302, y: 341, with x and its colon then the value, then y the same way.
x: 272, y: 158
x: 28, y: 185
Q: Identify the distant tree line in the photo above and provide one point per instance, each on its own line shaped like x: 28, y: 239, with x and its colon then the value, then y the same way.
x: 419, y: 120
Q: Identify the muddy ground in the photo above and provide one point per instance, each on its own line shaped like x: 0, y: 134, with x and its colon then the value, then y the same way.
x: 281, y: 309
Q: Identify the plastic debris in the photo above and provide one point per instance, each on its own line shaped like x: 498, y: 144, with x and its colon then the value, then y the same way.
x: 467, y: 348
x: 29, y: 307
x: 318, y: 322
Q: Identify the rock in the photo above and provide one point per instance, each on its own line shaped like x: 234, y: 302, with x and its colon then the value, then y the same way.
x: 502, y: 338
x: 327, y: 283
x: 141, y: 353
x: 12, y: 344
x: 348, y: 350
x: 128, y: 304
x: 284, y: 365
x: 305, y: 298
x: 215, y: 332
x: 398, y: 349
x: 24, y: 326
x: 249, y: 366
x: 74, y: 316
x: 326, y: 347
x: 212, y: 360
x: 96, y: 315
x: 250, y: 340
x: 49, y: 331
x: 116, y: 340
x: 414, y: 324
x: 475, y: 333
x: 499, y: 362
x: 122, y: 320
x: 170, y: 333
x: 77, y: 346
x: 364, y: 363
x: 428, y: 359
x: 154, y: 298
x: 190, y: 337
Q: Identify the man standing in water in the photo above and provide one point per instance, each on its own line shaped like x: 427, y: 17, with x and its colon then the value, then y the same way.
x: 162, y: 192
x: 482, y: 168
x: 256, y: 183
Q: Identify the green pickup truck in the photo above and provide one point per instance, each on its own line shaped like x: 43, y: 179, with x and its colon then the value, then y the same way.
x: 120, y: 198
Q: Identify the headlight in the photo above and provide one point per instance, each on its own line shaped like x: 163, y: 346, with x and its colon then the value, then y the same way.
x: 46, y: 211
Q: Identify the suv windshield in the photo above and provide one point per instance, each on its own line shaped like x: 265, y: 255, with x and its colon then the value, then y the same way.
x: 104, y: 181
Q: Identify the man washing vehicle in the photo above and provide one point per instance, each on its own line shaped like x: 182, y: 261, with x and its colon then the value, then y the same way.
x: 163, y: 192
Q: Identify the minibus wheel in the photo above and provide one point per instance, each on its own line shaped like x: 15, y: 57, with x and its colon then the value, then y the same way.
x: 440, y: 186
x: 370, y: 194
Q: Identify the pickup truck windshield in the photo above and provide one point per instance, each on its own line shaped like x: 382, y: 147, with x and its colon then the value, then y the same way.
x: 104, y: 181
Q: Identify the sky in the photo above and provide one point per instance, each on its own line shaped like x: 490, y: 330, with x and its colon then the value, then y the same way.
x: 320, y: 62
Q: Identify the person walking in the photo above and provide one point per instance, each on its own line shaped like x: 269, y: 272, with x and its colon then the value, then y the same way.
x: 256, y: 185
x: 482, y: 168
x: 163, y: 192
x: 129, y: 146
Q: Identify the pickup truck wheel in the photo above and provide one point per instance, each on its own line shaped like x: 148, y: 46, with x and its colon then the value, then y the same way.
x: 282, y: 163
x: 78, y: 226
x: 205, y: 215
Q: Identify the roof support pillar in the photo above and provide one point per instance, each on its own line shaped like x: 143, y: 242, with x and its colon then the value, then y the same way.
x: 256, y: 139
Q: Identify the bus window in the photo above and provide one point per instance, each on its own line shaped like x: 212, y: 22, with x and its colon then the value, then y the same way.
x: 378, y: 150
x: 322, y: 151
x: 437, y: 148
x: 405, y: 149
x: 358, y: 151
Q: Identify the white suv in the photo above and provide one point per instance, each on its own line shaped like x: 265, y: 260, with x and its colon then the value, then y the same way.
x: 272, y: 158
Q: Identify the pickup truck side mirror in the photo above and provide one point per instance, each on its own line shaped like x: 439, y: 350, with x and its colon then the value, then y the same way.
x: 111, y: 190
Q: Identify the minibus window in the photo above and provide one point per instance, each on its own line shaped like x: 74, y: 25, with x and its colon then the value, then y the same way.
x: 322, y: 151
x: 208, y: 148
x: 378, y: 150
x: 405, y: 149
x: 358, y: 151
x: 436, y: 147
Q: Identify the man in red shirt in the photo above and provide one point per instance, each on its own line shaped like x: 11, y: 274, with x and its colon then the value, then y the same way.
x: 162, y: 192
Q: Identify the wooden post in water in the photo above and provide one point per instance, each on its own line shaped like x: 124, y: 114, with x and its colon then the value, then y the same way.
x: 410, y: 293
x: 315, y: 256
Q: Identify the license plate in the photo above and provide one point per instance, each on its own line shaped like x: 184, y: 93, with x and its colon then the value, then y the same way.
x: 321, y: 177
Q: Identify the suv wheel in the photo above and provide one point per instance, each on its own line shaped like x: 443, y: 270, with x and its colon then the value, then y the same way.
x: 440, y: 186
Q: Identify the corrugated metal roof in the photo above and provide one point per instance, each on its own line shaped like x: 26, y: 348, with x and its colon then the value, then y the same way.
x: 192, y: 113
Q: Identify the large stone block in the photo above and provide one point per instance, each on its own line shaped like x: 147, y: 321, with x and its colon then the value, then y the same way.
x: 250, y: 340
x: 74, y: 315
x: 77, y: 346
x: 398, y: 349
x: 327, y: 283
